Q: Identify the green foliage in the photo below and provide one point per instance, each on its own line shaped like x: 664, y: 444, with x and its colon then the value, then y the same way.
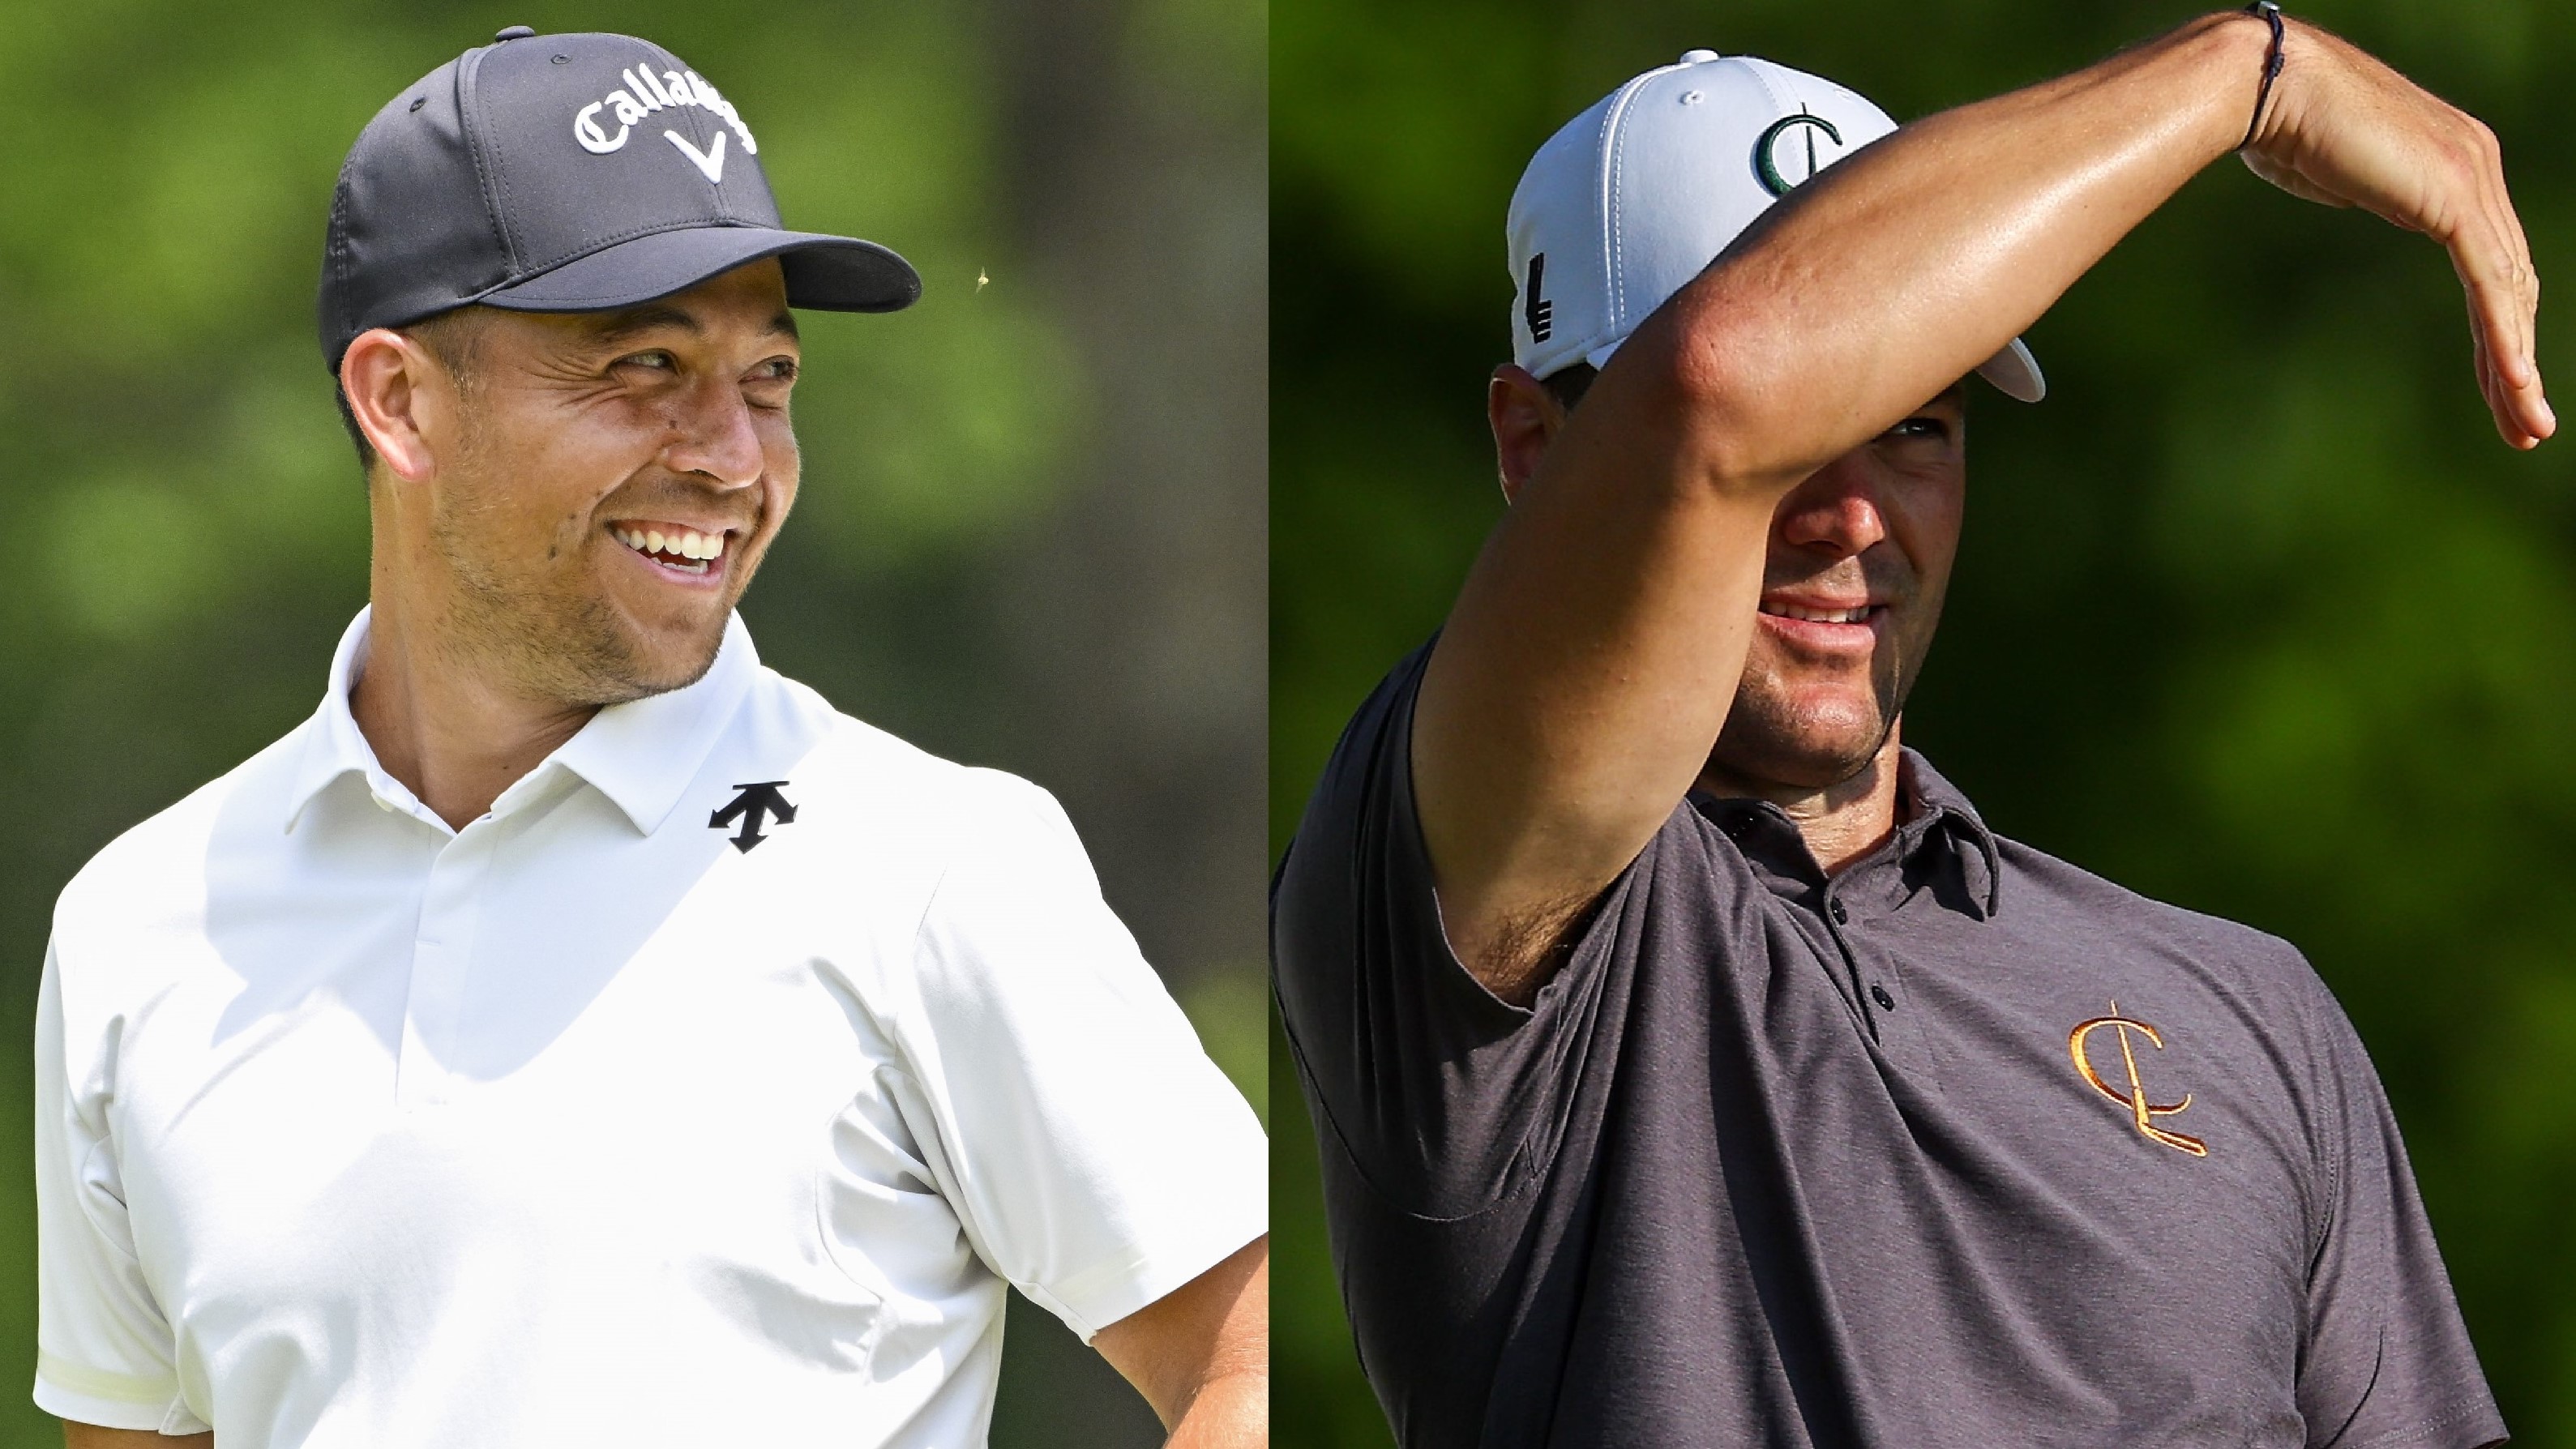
x: 173, y: 448
x: 2253, y: 614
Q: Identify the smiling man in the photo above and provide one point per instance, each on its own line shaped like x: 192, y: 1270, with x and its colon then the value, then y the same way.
x: 576, y: 1033
x: 1691, y: 1064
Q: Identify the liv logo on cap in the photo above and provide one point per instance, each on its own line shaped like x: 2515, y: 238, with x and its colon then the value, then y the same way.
x: 505, y: 178
x: 1636, y: 196
x: 1535, y: 308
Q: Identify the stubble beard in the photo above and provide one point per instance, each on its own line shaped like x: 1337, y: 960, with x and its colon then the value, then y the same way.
x: 545, y: 632
x: 1771, y: 738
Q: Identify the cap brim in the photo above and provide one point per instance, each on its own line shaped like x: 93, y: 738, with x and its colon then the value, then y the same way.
x: 2015, y: 373
x: 826, y: 273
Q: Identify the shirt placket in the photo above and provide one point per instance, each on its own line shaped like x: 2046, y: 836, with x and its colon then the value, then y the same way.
x: 1877, y: 981
x: 442, y: 953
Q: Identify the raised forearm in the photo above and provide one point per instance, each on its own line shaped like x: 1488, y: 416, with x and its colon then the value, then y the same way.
x: 1598, y: 644
x: 1897, y: 272
x: 1596, y: 649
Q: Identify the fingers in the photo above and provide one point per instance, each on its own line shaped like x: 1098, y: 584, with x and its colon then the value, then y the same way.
x: 2493, y: 258
x: 2507, y: 378
x: 2351, y: 131
x: 2522, y: 367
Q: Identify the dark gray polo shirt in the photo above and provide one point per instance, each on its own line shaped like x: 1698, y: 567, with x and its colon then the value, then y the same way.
x: 1962, y: 1148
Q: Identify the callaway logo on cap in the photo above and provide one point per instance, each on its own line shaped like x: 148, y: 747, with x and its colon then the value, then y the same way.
x: 566, y: 173
x: 1636, y: 196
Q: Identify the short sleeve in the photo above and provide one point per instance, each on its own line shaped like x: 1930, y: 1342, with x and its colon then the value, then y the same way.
x: 2387, y: 1360
x: 1427, y: 1081
x: 1097, y: 1158
x: 105, y: 1354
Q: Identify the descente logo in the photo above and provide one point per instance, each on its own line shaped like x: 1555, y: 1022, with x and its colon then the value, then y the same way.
x: 645, y: 93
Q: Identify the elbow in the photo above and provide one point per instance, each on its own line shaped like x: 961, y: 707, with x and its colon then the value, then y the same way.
x: 1706, y: 365
x: 1723, y: 398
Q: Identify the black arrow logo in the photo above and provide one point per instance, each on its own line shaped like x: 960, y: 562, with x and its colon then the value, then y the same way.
x: 756, y: 802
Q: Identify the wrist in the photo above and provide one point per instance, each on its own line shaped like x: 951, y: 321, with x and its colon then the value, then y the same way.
x: 2254, y: 61
x: 2276, y: 55
x: 2208, y: 68
x: 2225, y: 51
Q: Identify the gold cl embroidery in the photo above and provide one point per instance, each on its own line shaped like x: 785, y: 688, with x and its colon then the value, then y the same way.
x: 2141, y: 1111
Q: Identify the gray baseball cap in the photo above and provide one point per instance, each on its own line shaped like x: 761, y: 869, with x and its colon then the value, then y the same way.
x: 566, y: 173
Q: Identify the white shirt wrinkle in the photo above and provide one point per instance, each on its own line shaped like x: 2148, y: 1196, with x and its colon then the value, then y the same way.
x: 369, y: 1094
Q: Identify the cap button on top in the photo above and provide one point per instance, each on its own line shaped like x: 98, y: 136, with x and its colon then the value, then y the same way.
x: 514, y: 32
x: 1698, y: 57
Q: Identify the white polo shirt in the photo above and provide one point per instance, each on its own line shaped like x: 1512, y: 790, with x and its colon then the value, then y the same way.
x: 586, y: 1123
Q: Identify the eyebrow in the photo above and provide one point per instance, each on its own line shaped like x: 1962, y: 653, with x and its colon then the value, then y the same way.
x: 625, y: 326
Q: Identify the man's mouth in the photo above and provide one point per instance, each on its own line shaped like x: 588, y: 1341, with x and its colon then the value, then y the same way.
x: 1818, y: 630
x: 1859, y: 615
x: 673, y: 546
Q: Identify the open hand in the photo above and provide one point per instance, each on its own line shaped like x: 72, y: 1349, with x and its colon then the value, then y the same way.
x: 2344, y: 129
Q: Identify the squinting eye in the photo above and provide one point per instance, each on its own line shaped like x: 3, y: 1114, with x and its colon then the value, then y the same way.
x: 1924, y: 427
x: 661, y: 360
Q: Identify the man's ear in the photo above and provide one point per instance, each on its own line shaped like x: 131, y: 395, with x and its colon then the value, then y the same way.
x: 1525, y: 417
x: 401, y: 397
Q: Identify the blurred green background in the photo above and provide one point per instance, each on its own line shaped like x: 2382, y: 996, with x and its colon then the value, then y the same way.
x: 1031, y: 528
x: 2253, y: 614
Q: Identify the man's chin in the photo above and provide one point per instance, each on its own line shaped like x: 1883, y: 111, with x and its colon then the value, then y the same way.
x: 662, y: 663
x: 1815, y: 750
x: 661, y: 644
x: 598, y: 657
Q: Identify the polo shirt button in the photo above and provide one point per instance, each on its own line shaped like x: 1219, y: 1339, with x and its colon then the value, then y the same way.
x: 1879, y: 994
x: 1841, y: 917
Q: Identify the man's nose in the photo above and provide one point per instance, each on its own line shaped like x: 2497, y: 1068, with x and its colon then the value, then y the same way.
x: 1836, y: 510
x: 712, y: 435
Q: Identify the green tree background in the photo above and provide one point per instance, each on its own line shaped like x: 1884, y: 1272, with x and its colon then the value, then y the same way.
x: 1031, y: 528
x: 2253, y: 614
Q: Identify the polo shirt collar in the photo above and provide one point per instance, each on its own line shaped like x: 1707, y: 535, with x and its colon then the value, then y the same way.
x: 642, y: 754
x: 1941, y: 834
x: 1939, y: 808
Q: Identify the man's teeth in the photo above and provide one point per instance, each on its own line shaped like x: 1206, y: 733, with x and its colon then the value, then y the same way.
x: 685, y: 543
x: 1820, y: 616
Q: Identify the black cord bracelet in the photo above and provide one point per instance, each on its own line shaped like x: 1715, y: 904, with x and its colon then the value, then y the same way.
x: 2271, y: 65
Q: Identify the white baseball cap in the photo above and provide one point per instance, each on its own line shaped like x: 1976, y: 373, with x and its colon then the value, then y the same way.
x: 1636, y: 196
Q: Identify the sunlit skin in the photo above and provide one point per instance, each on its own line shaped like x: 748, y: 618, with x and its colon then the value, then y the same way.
x: 1760, y: 445
x: 1817, y: 716
x: 506, y: 610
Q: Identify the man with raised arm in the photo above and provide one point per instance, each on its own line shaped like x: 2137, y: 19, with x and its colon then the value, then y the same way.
x: 1690, y: 1064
